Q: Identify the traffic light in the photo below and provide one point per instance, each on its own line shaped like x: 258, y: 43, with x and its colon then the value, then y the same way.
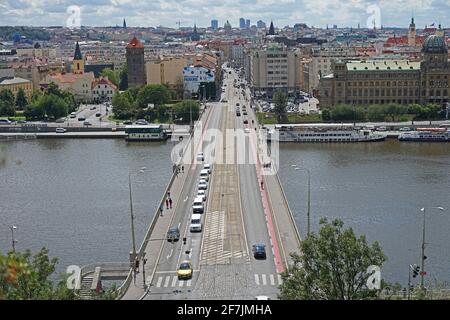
x: 416, y: 271
x: 184, y: 240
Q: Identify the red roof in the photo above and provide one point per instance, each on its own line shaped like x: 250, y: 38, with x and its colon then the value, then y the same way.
x: 135, y: 43
x: 403, y: 40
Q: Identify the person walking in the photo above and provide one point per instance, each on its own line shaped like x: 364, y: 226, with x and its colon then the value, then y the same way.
x: 262, y: 185
x: 161, y: 209
x: 170, y: 203
x: 167, y: 203
x: 168, y: 194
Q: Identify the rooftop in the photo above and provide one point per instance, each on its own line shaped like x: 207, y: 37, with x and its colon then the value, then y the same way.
x: 382, y: 65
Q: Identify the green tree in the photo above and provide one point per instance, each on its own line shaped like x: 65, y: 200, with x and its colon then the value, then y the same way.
x: 153, y: 94
x: 182, y: 111
x: 333, y: 266
x: 7, y: 103
x: 21, y: 99
x: 122, y: 107
x: 280, y: 101
x: 112, y: 75
x: 179, y: 88
x: 123, y: 75
x: 326, y: 115
x: 48, y: 106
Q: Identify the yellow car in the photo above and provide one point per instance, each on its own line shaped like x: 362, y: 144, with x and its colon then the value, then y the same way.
x: 185, y: 270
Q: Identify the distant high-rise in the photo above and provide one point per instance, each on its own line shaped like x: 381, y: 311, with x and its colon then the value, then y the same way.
x: 124, y: 24
x: 135, y: 63
x: 214, y: 24
x: 242, y: 23
x: 260, y: 24
x: 247, y: 23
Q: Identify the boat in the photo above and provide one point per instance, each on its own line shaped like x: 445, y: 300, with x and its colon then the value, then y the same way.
x: 426, y: 135
x: 324, y: 133
x: 145, y: 133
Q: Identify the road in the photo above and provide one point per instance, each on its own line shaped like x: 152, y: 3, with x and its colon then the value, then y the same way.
x: 235, y: 219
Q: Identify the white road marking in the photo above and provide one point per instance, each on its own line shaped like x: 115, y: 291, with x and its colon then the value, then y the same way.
x: 186, y: 199
x: 264, y: 280
x: 181, y: 283
x: 174, y: 281
x: 280, y: 281
x: 257, y: 279
x: 158, y: 284
x: 272, y: 280
x: 170, y: 254
x: 166, y: 282
x: 188, y: 283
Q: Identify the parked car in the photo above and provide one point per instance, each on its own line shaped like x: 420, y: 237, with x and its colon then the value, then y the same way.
x: 98, y: 114
x: 196, y: 223
x: 207, y: 166
x: 173, y: 234
x: 197, y: 205
x: 5, y: 121
x: 128, y: 122
x: 201, y: 194
x: 81, y: 118
x: 60, y: 130
x: 381, y: 129
x: 406, y: 129
x: 259, y: 251
x: 142, y: 122
x: 61, y: 120
x: 87, y: 123
x: 200, y: 156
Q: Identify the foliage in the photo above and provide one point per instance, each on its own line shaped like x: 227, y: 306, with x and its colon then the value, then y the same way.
x: 7, y: 103
x: 207, y: 89
x: 280, y: 101
x: 47, y: 106
x: 182, y: 111
x: 122, y: 106
x: 333, y: 266
x: 123, y: 76
x: 23, y: 277
x: 113, y: 76
x: 21, y: 99
x: 153, y: 94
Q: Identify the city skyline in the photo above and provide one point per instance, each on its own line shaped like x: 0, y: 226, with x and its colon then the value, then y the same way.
x: 102, y: 13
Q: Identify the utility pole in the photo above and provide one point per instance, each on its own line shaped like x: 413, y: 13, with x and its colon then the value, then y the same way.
x: 13, y: 241
x: 132, y: 220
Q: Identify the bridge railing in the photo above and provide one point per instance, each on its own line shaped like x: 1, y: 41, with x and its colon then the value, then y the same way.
x: 105, y: 266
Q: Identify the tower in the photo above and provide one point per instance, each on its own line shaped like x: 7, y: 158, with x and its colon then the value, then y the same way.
x: 412, y: 34
x: 124, y: 24
x: 271, y: 29
x: 78, y: 61
x: 440, y: 31
x: 135, y: 63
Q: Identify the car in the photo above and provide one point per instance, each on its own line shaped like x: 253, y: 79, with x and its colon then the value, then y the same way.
x: 142, y: 122
x: 128, y: 122
x: 207, y: 166
x: 81, y: 118
x: 60, y: 120
x: 72, y: 116
x: 21, y: 121
x: 201, y: 194
x: 60, y: 130
x: 259, y: 251
x: 93, y: 107
x: 381, y: 129
x: 204, y: 174
x: 173, y: 234
x: 98, y: 114
x: 237, y: 104
x: 5, y: 121
x: 200, y: 156
x: 245, y: 121
x: 197, y: 205
x: 247, y: 130
x: 185, y: 270
x: 87, y: 123
x: 404, y: 129
x: 196, y: 223
x: 262, y: 298
x: 202, y: 185
x: 245, y: 113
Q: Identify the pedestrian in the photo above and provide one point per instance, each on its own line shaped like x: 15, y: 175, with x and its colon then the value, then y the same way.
x: 161, y: 208
x: 168, y: 194
x: 167, y: 203
x: 262, y: 185
x: 170, y: 203
x: 182, y: 168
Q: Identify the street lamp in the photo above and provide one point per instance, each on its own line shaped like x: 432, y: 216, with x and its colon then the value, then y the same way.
x: 422, y: 273
x: 133, y: 253
x: 309, y: 198
x: 13, y: 241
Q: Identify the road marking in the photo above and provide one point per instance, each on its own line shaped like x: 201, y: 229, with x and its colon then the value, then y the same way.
x: 257, y: 279
x: 264, y: 280
x: 272, y: 280
x: 166, y: 282
x: 181, y: 283
x: 158, y: 284
x: 170, y: 254
x: 186, y: 199
x: 174, y: 281
x: 280, y: 281
x: 188, y: 283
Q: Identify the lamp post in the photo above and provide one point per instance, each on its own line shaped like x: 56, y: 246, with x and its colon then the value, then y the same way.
x: 309, y: 198
x: 422, y: 273
x: 133, y: 253
x: 13, y: 241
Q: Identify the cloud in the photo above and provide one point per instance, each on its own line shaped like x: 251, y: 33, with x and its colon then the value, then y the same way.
x: 168, y: 12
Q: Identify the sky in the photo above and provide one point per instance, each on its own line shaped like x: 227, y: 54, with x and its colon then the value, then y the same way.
x: 147, y: 13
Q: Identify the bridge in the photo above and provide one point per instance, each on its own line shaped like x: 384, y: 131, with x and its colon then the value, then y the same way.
x: 245, y: 205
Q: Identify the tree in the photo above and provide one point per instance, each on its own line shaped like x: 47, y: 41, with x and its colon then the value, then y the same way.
x: 112, y: 75
x: 179, y: 87
x: 153, y: 94
x: 21, y: 99
x: 48, y: 106
x: 333, y: 266
x: 326, y: 115
x: 7, y: 103
x: 23, y: 277
x: 182, y: 111
x: 123, y: 75
x: 122, y: 106
x: 280, y: 101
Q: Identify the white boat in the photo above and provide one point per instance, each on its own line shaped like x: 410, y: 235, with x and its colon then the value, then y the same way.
x: 324, y: 133
x: 426, y: 135
x: 145, y: 133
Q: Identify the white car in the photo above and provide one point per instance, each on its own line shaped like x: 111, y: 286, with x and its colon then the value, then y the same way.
x: 202, y: 185
x: 196, y: 223
x: 200, y: 156
x: 207, y: 166
x: 201, y: 194
x: 204, y: 174
x: 247, y: 130
x: 197, y: 205
x: 60, y: 130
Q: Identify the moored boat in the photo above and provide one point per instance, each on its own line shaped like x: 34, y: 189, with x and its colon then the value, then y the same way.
x: 146, y: 133
x: 426, y: 135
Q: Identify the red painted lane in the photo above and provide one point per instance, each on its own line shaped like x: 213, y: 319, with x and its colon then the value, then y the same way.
x: 267, y: 211
x: 200, y: 144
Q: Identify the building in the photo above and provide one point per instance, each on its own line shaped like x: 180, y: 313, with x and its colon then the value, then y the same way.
x: 390, y: 81
x: 124, y: 24
x: 271, y: 29
x: 237, y: 55
x: 193, y: 76
x: 242, y: 23
x: 9, y: 82
x: 274, y: 68
x: 214, y: 24
x: 78, y: 61
x: 247, y: 23
x: 33, y: 69
x: 103, y: 89
x: 260, y: 24
x: 412, y: 34
x: 80, y: 85
x: 135, y: 64
x: 167, y: 70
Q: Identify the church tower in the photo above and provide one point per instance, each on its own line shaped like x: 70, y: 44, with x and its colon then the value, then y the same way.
x: 78, y: 61
x: 440, y: 31
x: 412, y: 34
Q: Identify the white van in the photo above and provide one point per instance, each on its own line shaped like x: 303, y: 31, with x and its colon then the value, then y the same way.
x: 197, y: 205
x: 196, y: 223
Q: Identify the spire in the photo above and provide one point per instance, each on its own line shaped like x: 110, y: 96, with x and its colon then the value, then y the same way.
x: 77, y: 55
x: 124, y: 24
x: 271, y: 29
x: 195, y: 28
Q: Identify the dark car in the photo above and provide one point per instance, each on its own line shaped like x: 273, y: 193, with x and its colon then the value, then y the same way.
x: 81, y: 119
x: 173, y: 234
x: 259, y: 251
x: 98, y: 115
x: 128, y: 122
x: 245, y: 121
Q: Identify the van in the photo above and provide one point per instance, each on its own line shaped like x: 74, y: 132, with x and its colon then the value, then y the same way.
x: 197, y: 205
x: 196, y: 223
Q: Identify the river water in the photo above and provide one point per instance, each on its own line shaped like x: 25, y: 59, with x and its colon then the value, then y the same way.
x: 72, y: 196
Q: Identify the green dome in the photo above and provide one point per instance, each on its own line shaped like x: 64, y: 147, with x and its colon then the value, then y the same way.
x: 434, y: 44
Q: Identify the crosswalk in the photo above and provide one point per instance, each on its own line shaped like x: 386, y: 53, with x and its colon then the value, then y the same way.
x: 172, y: 282
x: 268, y: 279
